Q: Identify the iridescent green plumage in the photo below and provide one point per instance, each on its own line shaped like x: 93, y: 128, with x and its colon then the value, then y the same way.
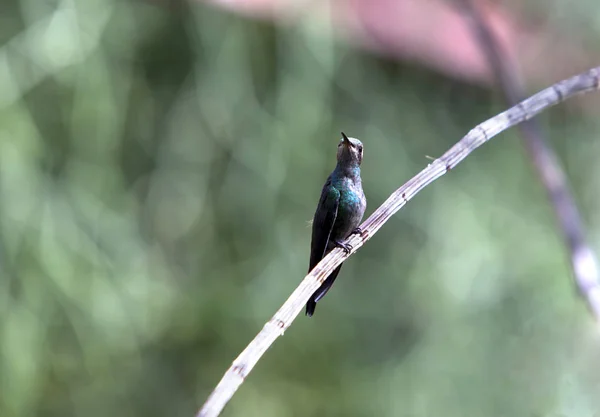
x: 340, y: 210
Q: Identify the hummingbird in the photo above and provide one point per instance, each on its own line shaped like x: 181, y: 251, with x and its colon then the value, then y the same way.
x: 340, y: 210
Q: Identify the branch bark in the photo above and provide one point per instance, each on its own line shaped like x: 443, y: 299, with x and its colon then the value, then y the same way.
x: 551, y: 175
x: 275, y: 327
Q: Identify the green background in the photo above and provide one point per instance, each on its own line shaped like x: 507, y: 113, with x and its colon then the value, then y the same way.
x: 158, y: 169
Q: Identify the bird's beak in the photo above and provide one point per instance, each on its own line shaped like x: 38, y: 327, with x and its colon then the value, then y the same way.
x: 347, y: 142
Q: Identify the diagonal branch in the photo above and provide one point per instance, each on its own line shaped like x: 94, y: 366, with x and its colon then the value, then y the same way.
x: 275, y: 327
x: 583, y: 259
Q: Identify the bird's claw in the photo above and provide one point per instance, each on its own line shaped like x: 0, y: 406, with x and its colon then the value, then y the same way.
x: 358, y: 231
x: 345, y: 247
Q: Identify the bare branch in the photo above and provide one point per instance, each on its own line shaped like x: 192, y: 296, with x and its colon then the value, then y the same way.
x: 275, y: 327
x: 550, y: 173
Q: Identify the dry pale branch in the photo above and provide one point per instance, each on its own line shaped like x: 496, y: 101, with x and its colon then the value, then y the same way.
x: 275, y: 327
x: 550, y: 173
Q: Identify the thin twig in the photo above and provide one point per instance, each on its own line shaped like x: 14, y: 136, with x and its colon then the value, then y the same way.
x: 275, y: 327
x: 550, y: 173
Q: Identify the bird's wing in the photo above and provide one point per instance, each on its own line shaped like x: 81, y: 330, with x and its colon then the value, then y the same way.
x: 323, y: 222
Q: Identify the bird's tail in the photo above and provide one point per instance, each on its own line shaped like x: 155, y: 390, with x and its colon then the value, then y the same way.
x: 310, y: 307
x: 320, y: 293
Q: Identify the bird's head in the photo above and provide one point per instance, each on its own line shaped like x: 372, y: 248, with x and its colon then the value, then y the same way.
x: 350, y: 150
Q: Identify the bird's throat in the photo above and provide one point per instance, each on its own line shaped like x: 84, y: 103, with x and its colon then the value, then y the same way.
x: 349, y: 170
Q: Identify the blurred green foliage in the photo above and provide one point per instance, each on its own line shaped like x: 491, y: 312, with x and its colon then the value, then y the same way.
x: 158, y: 167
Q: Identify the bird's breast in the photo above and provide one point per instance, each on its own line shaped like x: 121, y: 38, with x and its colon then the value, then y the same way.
x: 350, y: 198
x: 352, y: 204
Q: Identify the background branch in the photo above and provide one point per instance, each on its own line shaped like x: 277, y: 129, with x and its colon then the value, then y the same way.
x: 550, y: 173
x: 275, y: 327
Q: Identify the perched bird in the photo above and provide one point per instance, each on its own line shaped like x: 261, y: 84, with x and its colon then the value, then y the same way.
x: 339, y: 212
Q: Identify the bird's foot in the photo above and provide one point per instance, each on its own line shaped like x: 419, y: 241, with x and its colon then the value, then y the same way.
x: 345, y: 246
x: 358, y: 231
